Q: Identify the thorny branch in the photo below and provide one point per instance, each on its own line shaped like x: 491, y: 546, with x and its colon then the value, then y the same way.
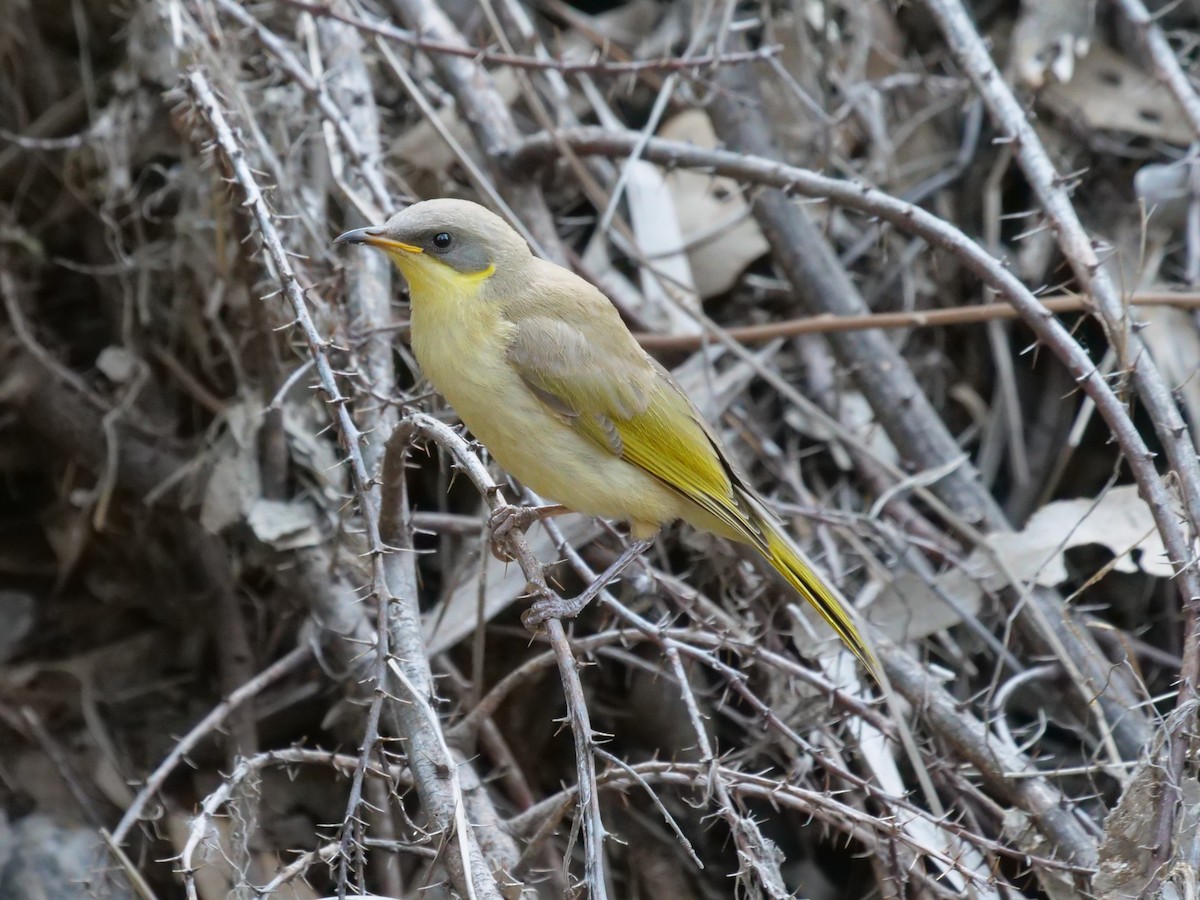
x: 167, y: 462
x: 1136, y: 361
x: 466, y: 860
x: 562, y: 66
x: 577, y: 710
x: 940, y: 234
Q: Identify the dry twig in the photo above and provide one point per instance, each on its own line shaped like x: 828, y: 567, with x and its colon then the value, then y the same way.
x: 167, y: 461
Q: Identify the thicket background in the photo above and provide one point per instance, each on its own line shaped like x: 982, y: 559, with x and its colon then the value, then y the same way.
x: 253, y: 642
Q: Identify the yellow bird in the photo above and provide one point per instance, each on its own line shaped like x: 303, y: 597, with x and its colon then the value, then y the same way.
x: 540, y: 367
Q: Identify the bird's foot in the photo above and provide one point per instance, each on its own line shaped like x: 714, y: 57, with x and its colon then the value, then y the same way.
x: 551, y: 606
x: 504, y: 519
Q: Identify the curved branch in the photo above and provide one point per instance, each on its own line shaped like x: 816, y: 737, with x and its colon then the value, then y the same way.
x: 864, y: 198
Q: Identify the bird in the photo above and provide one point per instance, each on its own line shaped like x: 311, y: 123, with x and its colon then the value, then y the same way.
x: 538, y: 364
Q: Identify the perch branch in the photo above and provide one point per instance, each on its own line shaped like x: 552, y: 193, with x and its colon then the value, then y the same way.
x: 464, y: 859
x: 581, y: 728
x: 942, y: 235
x: 1007, y: 772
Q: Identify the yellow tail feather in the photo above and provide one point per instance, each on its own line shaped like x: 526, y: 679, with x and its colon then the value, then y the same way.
x: 782, y: 554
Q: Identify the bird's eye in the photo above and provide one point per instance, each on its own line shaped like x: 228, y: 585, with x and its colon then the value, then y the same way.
x: 442, y: 241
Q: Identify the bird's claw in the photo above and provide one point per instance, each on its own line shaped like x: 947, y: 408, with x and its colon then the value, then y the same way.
x: 503, y: 521
x: 551, y: 606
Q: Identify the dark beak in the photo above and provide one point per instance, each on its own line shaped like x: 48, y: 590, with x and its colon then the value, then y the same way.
x: 374, y: 237
x: 359, y: 235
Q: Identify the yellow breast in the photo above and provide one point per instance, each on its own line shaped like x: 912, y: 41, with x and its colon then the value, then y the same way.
x: 461, y: 341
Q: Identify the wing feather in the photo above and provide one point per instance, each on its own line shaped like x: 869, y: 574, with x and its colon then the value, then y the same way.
x: 631, y: 407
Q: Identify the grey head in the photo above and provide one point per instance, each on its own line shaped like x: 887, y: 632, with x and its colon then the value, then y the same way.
x: 464, y: 235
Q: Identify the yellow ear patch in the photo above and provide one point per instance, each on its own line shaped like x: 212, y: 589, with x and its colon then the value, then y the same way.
x: 476, y: 277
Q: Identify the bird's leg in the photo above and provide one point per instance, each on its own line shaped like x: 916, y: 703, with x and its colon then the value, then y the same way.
x: 507, y: 517
x: 569, y: 608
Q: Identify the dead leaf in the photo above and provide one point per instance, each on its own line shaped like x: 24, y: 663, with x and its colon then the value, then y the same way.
x: 855, y: 414
x: 657, y: 225
x: 910, y: 609
x: 1174, y: 343
x: 722, y: 237
x: 316, y: 457
x: 233, y: 486
x: 1164, y: 189
x: 117, y: 364
x: 1126, y: 853
x: 1109, y: 93
x: 1050, y: 39
x: 1054, y: 883
x: 284, y: 525
x: 1119, y: 520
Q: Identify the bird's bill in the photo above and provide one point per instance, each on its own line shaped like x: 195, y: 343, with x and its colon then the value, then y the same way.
x: 374, y: 237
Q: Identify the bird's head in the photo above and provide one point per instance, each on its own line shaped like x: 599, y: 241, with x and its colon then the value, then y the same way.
x: 445, y: 248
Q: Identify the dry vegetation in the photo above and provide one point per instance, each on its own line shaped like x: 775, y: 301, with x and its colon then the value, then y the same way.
x: 252, y: 628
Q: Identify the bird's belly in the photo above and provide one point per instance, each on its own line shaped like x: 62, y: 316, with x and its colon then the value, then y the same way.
x: 542, y: 451
x: 550, y: 457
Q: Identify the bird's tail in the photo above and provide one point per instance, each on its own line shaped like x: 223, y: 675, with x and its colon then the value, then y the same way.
x: 788, y: 561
